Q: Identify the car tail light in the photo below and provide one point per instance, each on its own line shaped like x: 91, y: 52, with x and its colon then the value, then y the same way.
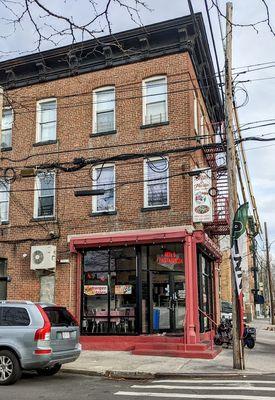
x: 42, y: 335
x: 44, y: 332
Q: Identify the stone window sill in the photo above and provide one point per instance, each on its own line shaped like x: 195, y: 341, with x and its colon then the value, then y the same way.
x: 155, y: 208
x: 102, y: 213
x: 45, y: 143
x: 96, y: 134
x: 147, y: 126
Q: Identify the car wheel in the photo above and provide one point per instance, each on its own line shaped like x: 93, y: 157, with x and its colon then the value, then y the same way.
x: 10, y: 370
x: 48, y: 371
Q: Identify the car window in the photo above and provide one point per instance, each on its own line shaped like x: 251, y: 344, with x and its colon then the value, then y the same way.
x: 59, y: 316
x: 14, y: 316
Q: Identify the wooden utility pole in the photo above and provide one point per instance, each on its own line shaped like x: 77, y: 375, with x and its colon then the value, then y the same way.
x: 267, y: 245
x: 238, y: 353
x: 1, y: 106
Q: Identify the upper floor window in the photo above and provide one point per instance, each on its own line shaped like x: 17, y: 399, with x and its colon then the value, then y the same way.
x: 104, y: 178
x: 156, y: 182
x: 155, y: 108
x: 4, y: 201
x: 44, y: 195
x: 6, y: 134
x: 104, y: 110
x: 46, y: 120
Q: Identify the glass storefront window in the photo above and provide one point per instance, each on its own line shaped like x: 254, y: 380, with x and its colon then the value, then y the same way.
x: 205, y: 285
x: 109, y: 291
x: 134, y: 289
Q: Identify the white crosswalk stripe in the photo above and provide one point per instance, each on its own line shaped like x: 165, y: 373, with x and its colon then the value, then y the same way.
x: 204, y: 389
x: 262, y: 389
x: 220, y: 381
x: 193, y: 396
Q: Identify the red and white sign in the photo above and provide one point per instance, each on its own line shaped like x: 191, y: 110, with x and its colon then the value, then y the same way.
x: 95, y: 290
x: 202, y: 201
x: 169, y: 259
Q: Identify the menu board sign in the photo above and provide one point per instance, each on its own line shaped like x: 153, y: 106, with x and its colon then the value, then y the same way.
x: 95, y: 290
x: 123, y: 289
x: 202, y: 201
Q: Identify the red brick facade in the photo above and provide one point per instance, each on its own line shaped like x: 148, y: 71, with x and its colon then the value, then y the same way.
x: 74, y: 131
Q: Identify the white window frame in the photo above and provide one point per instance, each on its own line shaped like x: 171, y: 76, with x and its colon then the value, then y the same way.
x: 145, y: 186
x: 102, y: 89
x: 38, y: 119
x: 37, y: 188
x: 12, y: 113
x: 144, y: 98
x: 94, y: 198
x: 196, y: 113
x: 8, y: 208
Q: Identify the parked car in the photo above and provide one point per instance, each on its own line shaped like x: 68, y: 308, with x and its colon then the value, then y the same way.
x: 35, y: 336
x: 226, y: 310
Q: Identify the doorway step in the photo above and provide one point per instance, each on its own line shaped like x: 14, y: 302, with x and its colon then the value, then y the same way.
x: 151, y: 345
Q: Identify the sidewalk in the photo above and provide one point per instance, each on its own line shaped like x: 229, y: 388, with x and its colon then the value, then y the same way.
x: 122, y: 364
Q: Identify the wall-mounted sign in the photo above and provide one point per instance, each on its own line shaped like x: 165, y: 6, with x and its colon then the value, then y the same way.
x: 169, y: 259
x: 95, y: 290
x: 202, y: 201
x: 123, y: 289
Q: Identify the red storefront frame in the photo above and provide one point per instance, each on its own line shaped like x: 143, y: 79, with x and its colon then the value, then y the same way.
x: 190, y: 241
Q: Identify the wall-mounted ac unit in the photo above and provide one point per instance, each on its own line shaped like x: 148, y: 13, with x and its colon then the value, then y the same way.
x: 43, y: 257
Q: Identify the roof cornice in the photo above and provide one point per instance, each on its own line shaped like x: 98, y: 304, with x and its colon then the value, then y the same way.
x: 135, y: 45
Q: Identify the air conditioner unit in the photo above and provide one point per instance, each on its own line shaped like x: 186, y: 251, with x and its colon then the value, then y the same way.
x: 43, y: 257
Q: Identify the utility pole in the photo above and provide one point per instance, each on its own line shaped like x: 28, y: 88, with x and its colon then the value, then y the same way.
x: 238, y: 353
x: 1, y: 106
x: 272, y: 316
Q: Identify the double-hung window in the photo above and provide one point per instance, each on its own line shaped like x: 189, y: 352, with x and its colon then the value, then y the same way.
x: 104, y: 110
x: 155, y: 108
x: 104, y: 178
x: 156, y: 182
x: 46, y: 120
x: 4, y: 201
x: 45, y: 195
x: 6, y: 134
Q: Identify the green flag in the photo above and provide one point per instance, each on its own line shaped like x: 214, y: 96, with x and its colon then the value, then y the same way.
x: 237, y: 243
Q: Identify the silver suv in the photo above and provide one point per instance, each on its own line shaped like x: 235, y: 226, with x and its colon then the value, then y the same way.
x: 35, y: 336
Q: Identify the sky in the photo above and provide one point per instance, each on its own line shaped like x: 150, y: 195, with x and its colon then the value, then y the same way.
x: 249, y: 47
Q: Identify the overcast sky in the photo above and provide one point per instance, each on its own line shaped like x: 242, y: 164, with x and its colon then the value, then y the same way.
x: 249, y: 47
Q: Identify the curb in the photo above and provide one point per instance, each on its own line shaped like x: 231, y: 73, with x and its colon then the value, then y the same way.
x: 136, y: 375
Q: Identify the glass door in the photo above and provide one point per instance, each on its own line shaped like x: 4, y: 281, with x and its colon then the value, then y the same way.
x: 168, y: 302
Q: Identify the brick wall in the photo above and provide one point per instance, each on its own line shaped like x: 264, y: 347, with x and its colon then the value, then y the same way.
x: 74, y: 128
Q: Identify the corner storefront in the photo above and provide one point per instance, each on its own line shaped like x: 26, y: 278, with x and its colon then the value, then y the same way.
x: 146, y: 282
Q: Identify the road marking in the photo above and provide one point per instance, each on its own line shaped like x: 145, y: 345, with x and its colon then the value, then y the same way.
x: 193, y: 396
x: 211, y: 381
x: 264, y: 389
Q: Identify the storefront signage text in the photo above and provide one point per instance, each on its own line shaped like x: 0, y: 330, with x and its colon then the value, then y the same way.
x: 169, y: 258
x: 93, y: 290
x: 123, y: 289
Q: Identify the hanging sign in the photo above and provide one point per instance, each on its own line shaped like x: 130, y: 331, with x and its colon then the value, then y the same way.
x: 237, y: 252
x: 95, y: 290
x: 202, y: 201
x: 123, y: 289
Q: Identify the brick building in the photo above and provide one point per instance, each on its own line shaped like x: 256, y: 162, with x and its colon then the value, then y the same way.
x: 130, y: 261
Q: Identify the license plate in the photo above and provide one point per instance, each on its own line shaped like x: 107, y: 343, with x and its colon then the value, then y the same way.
x: 66, y: 335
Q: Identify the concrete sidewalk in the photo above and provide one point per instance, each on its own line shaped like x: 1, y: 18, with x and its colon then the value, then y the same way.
x: 122, y: 364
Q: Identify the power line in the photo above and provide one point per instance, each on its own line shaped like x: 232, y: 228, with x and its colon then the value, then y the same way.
x: 195, y: 137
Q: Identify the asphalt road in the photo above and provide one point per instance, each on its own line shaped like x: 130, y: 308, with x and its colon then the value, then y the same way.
x: 78, y: 387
